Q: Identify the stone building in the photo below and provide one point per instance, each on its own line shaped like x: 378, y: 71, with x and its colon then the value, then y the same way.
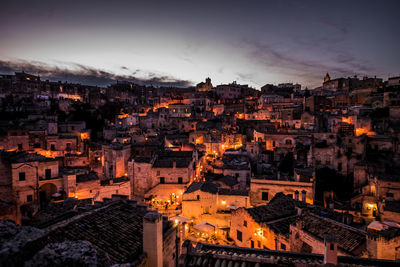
x: 164, y: 176
x: 206, y: 201
x: 264, y: 226
x: 263, y: 190
x: 28, y: 180
x: 383, y: 241
x: 115, y: 160
x: 307, y: 235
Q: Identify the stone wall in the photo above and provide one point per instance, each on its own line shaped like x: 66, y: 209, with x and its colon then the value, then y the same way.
x: 272, y: 187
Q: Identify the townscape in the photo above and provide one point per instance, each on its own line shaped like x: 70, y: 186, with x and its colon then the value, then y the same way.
x: 207, y: 175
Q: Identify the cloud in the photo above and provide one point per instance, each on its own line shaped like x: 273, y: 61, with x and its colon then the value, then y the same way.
x: 78, y: 73
x: 341, y: 27
x: 295, y: 65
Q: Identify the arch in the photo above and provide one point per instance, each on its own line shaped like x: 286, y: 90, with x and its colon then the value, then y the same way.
x: 289, y: 141
x: 46, y: 191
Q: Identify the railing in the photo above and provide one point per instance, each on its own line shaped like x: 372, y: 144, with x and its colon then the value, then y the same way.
x: 48, y: 179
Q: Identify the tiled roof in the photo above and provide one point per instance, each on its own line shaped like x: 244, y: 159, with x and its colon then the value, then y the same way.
x: 115, y: 229
x: 231, y: 192
x: 19, y: 157
x: 282, y: 226
x: 91, y: 176
x: 226, y: 179
x: 216, y: 255
x: 143, y: 159
x: 59, y: 211
x: 203, y: 186
x: 214, y: 189
x: 169, y: 163
x: 280, y: 206
x: 348, y: 238
x: 166, y: 159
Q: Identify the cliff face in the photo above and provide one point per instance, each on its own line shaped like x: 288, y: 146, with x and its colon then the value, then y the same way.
x: 17, y: 243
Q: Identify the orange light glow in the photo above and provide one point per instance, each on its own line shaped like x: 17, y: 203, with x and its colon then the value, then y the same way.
x: 84, y: 136
x: 239, y: 115
x: 348, y: 120
x: 45, y: 153
x: 123, y: 116
x: 361, y: 131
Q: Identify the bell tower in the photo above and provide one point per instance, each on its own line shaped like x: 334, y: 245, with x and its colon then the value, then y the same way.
x: 327, y: 78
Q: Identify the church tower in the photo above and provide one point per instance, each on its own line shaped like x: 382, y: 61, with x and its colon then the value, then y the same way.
x: 327, y: 78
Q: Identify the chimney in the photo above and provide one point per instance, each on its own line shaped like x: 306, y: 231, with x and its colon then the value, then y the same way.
x: 330, y: 251
x: 153, y: 238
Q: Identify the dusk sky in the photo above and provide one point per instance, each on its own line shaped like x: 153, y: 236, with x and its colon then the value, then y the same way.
x: 183, y: 42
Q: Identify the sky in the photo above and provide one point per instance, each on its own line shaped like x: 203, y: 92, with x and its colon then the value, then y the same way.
x: 180, y: 43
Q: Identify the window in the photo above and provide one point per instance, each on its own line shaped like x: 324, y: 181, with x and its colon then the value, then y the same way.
x: 22, y: 176
x: 158, y: 173
x: 245, y: 223
x: 264, y: 196
x: 180, y: 180
x: 19, y: 146
x: 239, y: 235
x: 389, y: 195
x: 259, y: 243
x: 29, y: 198
x: 48, y: 173
x: 283, y: 246
x: 252, y: 244
x: 52, y: 147
x: 273, y: 143
x: 332, y: 247
x: 68, y: 148
x: 198, y: 197
x: 162, y: 180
